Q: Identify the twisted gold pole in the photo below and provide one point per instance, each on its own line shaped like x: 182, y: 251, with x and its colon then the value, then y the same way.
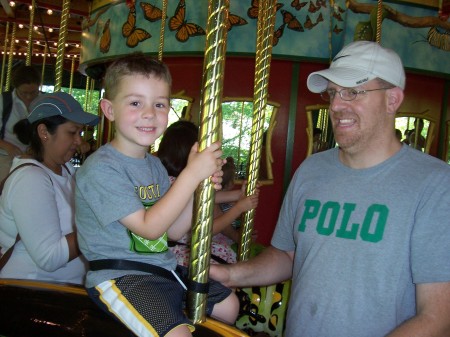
x: 44, y: 59
x: 213, y: 73
x: 30, y: 35
x: 72, y: 69
x: 379, y: 19
x: 161, y: 35
x: 4, y: 55
x: 61, y: 45
x: 10, y: 57
x: 266, y: 22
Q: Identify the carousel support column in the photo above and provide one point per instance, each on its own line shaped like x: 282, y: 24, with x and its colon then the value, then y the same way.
x: 210, y: 119
x: 161, y: 35
x: 379, y: 20
x: 72, y: 69
x: 30, y: 35
x: 265, y: 28
x: 61, y: 45
x: 10, y: 57
x: 4, y: 56
x: 44, y: 60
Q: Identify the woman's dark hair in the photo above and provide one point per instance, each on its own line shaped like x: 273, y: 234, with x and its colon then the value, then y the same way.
x: 24, y: 74
x: 229, y: 172
x: 22, y: 129
x: 52, y: 123
x: 176, y: 145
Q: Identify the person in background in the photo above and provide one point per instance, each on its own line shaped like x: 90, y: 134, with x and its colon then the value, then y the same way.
x: 37, y: 220
x: 125, y: 211
x: 364, y: 261
x: 318, y: 144
x: 173, y: 152
x: 26, y: 81
x: 398, y: 134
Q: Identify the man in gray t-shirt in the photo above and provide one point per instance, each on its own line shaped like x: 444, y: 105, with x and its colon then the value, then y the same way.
x: 364, y: 229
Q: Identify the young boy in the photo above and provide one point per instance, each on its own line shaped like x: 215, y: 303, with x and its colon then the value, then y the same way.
x: 125, y: 211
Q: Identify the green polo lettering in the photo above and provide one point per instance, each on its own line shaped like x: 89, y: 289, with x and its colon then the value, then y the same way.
x: 311, y: 209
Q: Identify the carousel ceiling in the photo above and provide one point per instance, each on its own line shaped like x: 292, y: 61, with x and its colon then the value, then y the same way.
x: 45, y: 27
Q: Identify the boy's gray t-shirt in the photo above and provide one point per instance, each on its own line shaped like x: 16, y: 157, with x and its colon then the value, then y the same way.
x: 362, y: 240
x: 110, y: 186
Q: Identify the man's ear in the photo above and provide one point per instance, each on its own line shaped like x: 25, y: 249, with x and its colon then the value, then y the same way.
x: 395, y: 99
x: 107, y: 108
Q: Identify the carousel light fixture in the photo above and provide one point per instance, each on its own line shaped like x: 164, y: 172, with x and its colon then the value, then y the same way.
x: 50, y: 30
x: 20, y: 25
x: 12, y: 3
x: 49, y: 12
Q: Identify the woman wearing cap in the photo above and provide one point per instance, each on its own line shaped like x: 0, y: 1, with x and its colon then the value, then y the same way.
x: 37, y: 228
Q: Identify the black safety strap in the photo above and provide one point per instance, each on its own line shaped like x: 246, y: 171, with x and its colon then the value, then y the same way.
x: 117, y: 264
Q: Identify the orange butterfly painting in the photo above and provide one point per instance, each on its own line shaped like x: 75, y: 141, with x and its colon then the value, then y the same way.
x: 291, y: 21
x: 308, y: 23
x: 278, y: 34
x: 134, y: 35
x: 336, y: 29
x: 253, y: 11
x: 105, y: 40
x: 313, y: 8
x: 235, y: 20
x: 298, y: 5
x: 184, y: 30
x: 151, y: 12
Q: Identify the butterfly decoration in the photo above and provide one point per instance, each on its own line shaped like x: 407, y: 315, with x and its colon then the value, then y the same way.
x: 337, y: 16
x: 105, y: 40
x: 278, y: 34
x: 253, y: 11
x: 313, y: 8
x: 298, y: 5
x: 134, y: 35
x: 319, y: 18
x: 321, y: 3
x: 151, y: 12
x: 184, y: 29
x: 291, y: 21
x: 308, y: 23
x: 340, y: 9
x: 235, y: 20
x: 337, y: 30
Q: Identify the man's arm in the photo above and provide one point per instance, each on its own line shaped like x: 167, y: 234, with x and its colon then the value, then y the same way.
x: 269, y: 267
x: 433, y: 313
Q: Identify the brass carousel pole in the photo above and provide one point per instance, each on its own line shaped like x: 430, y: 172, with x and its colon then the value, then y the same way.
x: 72, y: 69
x: 210, y: 106
x: 30, y: 35
x: 61, y: 45
x: 5, y: 46
x: 10, y: 57
x: 379, y: 20
x: 266, y: 22
x: 161, y: 35
x: 44, y: 59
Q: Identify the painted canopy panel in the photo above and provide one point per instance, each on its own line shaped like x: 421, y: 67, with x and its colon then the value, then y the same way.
x: 303, y: 30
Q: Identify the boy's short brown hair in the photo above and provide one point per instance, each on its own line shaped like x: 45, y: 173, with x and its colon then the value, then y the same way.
x: 134, y: 64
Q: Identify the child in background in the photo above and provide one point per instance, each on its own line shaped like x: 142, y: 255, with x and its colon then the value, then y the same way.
x: 173, y: 151
x: 125, y: 211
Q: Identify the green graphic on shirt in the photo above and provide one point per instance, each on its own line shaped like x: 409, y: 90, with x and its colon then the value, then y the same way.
x: 326, y: 219
x: 144, y: 246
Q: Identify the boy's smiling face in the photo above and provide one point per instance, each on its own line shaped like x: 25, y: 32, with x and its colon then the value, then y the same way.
x: 140, y: 112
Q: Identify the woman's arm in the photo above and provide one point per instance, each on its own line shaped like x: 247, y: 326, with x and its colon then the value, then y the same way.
x: 35, y: 210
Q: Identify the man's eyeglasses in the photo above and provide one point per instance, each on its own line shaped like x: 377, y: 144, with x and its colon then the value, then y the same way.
x: 346, y: 94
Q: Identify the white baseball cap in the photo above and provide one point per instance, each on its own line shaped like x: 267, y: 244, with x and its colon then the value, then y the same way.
x: 358, y: 63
